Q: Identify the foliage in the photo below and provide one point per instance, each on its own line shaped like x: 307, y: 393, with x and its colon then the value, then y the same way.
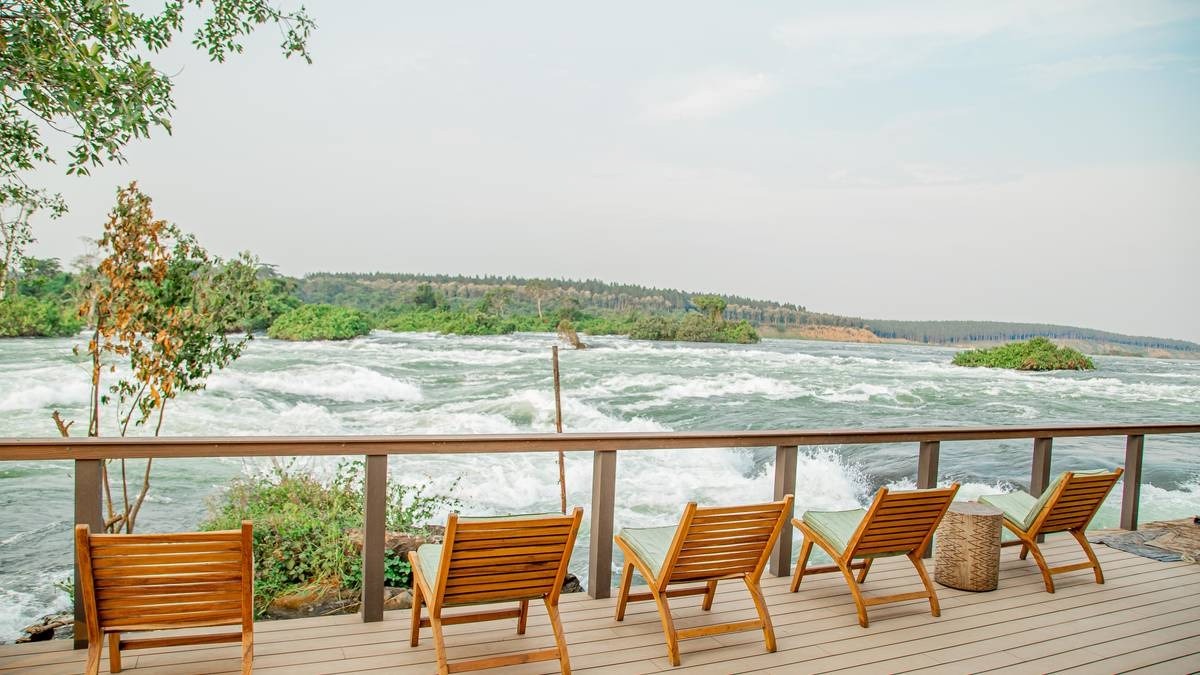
x: 653, y: 328
x: 1036, y: 354
x: 696, y: 328
x: 425, y: 297
x: 300, y: 526
x: 160, y: 301
x: 712, y: 305
x: 29, y: 317
x: 80, y: 67
x: 320, y: 322
x: 692, y: 328
x: 17, y: 205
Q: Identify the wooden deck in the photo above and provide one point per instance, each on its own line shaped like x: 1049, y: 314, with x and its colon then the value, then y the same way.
x: 1146, y: 617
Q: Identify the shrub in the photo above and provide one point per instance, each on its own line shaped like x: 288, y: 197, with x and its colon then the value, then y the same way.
x: 740, y: 333
x: 320, y: 322
x: 1036, y: 354
x: 300, y: 527
x: 30, y: 317
x: 697, y: 328
x: 653, y: 328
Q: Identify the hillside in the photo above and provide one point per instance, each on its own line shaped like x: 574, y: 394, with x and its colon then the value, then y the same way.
x: 378, y: 291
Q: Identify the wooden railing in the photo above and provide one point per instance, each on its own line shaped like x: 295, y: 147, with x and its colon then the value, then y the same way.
x: 88, y: 453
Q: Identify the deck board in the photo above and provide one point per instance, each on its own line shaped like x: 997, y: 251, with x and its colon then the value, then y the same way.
x: 1145, y: 618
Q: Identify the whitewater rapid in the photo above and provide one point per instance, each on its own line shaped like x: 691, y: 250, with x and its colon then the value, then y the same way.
x: 391, y: 383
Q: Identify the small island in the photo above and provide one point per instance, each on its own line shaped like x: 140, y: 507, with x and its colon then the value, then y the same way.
x: 320, y: 322
x: 1036, y: 354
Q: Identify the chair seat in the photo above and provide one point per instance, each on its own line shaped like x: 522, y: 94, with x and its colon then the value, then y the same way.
x: 837, y: 527
x: 1023, y: 508
x: 1017, y: 506
x: 651, y: 544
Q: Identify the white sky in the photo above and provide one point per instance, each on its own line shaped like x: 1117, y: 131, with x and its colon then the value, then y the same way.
x: 1018, y: 161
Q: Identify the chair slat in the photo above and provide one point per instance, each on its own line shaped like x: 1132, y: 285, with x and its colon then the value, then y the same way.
x: 182, y: 569
x: 148, y: 599
x: 112, y: 550
x: 102, y: 540
x: 167, y: 559
x: 206, y: 608
x: 168, y: 588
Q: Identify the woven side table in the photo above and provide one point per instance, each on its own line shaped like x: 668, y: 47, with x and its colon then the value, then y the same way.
x: 967, y: 553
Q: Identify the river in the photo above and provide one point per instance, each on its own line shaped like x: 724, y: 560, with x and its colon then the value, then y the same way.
x: 393, y: 383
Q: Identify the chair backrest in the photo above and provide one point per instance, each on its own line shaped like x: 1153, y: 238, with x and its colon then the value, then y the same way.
x: 900, y: 521
x: 506, y: 558
x: 1075, y: 501
x: 720, y: 542
x: 133, y: 582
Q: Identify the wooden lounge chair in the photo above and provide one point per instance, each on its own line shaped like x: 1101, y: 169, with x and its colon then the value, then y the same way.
x: 149, y: 582
x: 490, y: 560
x: 708, y: 545
x: 896, y: 523
x: 1066, y: 505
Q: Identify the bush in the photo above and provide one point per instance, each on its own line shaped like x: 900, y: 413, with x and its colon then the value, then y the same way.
x: 697, y: 328
x: 653, y: 328
x: 320, y: 322
x: 1036, y: 354
x: 740, y: 333
x: 300, y: 528
x: 30, y: 317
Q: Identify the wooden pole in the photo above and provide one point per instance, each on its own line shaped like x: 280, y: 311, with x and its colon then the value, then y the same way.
x: 604, y: 498
x: 562, y: 468
x: 374, y: 537
x: 785, y: 484
x: 1133, y: 481
x: 927, y: 474
x: 88, y: 495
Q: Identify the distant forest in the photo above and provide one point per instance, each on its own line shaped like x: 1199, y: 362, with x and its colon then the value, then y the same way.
x: 379, y: 291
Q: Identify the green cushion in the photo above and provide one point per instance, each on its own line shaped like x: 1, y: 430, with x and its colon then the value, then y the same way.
x: 1017, y: 506
x: 429, y: 557
x: 1022, y: 508
x: 650, y: 544
x: 836, y: 527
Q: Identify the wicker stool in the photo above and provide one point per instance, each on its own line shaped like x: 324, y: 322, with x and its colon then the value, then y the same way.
x: 967, y: 550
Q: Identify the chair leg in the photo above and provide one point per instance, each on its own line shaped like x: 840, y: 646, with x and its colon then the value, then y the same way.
x: 854, y: 591
x: 439, y: 644
x: 1024, y: 551
x: 1041, y: 563
x: 415, y: 629
x: 623, y: 595
x: 801, y: 562
x: 760, y: 605
x: 1091, y: 555
x: 247, y: 651
x: 114, y: 652
x: 564, y: 661
x: 915, y: 558
x: 709, y: 595
x: 92, y: 667
x: 668, y: 624
x: 523, y: 617
x: 862, y: 573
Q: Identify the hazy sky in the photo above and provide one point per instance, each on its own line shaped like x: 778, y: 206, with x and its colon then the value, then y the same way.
x: 1016, y: 161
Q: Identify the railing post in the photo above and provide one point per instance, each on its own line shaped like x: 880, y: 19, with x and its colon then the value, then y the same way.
x: 604, y: 497
x: 1132, y: 493
x: 88, y: 495
x: 374, y: 534
x: 927, y: 473
x: 1039, y: 477
x: 785, y: 484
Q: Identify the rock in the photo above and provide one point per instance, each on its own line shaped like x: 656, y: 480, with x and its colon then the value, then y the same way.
x: 49, y: 627
x: 571, y: 584
x: 313, y: 601
x: 399, y: 543
x: 397, y: 598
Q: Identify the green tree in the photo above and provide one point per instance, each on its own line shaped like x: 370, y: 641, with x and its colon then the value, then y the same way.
x: 539, y: 290
x: 17, y: 205
x: 712, y: 305
x: 161, y: 302
x: 81, y: 68
x: 425, y: 297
